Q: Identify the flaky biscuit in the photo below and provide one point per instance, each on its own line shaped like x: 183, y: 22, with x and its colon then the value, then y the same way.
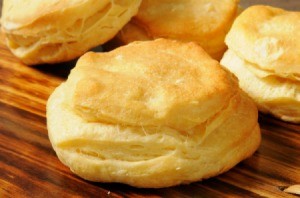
x: 269, y: 38
x: 205, y: 22
x: 151, y: 114
x: 55, y: 31
x: 264, y: 53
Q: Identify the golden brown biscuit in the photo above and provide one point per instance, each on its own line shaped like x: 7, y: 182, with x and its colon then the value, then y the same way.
x: 203, y: 21
x: 151, y: 114
x: 264, y: 53
x: 55, y: 31
x: 269, y: 38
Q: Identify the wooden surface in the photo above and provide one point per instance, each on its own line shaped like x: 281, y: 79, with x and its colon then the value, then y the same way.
x: 30, y: 168
x: 286, y: 4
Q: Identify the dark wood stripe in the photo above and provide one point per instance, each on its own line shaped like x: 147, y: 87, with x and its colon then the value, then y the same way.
x: 284, y: 156
x: 228, y: 189
x: 269, y: 122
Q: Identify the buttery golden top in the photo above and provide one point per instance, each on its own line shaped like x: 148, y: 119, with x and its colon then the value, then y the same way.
x: 150, y: 83
x: 17, y: 13
x: 269, y: 38
x: 203, y: 21
x: 182, y: 18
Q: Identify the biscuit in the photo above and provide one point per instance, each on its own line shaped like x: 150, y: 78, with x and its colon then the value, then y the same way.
x: 205, y: 22
x: 264, y: 53
x: 151, y: 114
x: 56, y: 31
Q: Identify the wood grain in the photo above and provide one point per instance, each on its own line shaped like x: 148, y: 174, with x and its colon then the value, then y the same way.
x: 30, y: 168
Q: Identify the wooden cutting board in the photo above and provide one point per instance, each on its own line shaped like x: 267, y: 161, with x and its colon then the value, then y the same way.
x: 30, y: 168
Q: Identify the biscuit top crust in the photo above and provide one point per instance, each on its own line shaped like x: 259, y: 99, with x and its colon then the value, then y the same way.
x: 151, y: 83
x: 186, y: 19
x: 269, y: 38
x: 20, y: 13
x: 32, y: 10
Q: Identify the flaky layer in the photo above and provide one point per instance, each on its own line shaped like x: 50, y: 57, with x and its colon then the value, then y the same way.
x: 57, y: 31
x: 152, y: 156
x: 269, y: 38
x: 276, y: 95
x: 205, y: 22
